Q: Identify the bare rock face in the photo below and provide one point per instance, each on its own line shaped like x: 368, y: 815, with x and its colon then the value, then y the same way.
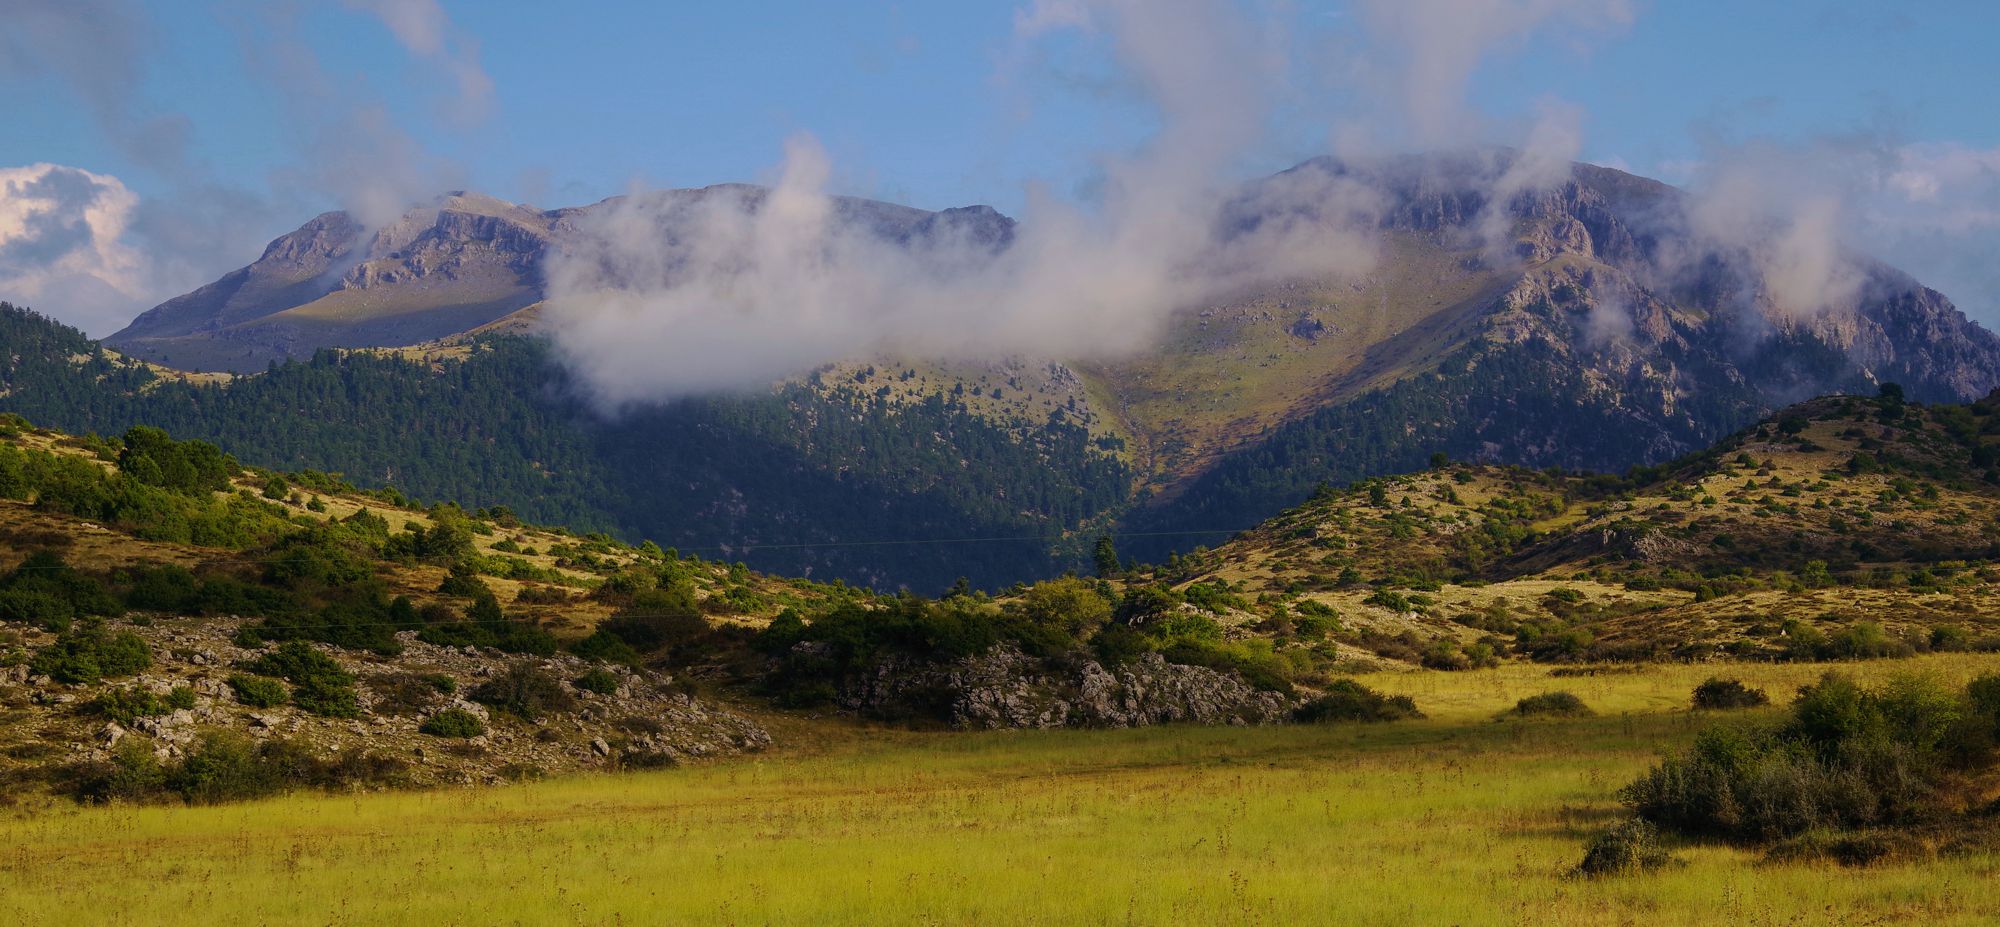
x: 1004, y: 688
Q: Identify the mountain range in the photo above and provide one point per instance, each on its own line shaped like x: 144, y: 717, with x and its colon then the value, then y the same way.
x: 1581, y: 324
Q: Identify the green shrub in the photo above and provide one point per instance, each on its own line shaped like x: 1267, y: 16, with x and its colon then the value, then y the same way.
x: 1389, y: 599
x: 319, y: 684
x: 224, y: 767
x: 1184, y: 626
x: 37, y: 607
x: 486, y: 625
x: 1950, y: 638
x: 258, y: 691
x: 1117, y: 644
x: 88, y: 653
x: 1315, y: 620
x: 151, y: 456
x: 524, y: 691
x: 607, y: 647
x: 1727, y: 694
x: 1551, y: 704
x: 453, y: 722
x: 1258, y: 666
x: 599, y: 681
x: 1070, y: 605
x: 1631, y: 846
x: 406, y: 694
x: 1848, y: 757
x: 1446, y: 655
x: 1347, y: 700
x: 462, y: 581
x: 659, y: 619
x: 126, y: 706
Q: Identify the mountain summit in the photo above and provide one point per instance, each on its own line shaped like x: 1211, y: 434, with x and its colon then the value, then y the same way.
x: 460, y: 263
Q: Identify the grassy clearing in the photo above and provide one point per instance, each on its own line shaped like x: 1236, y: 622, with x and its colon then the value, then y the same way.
x: 1456, y: 820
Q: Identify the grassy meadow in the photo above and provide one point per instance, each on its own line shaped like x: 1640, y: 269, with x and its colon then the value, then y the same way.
x: 1458, y: 819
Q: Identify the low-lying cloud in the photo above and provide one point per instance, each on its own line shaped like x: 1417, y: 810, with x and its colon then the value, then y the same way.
x: 660, y: 296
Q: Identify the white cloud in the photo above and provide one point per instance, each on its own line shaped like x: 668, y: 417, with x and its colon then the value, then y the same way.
x: 64, y: 247
x: 663, y: 296
x: 1808, y: 215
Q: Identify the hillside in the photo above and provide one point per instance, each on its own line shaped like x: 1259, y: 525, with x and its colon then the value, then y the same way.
x: 1840, y: 527
x: 158, y: 605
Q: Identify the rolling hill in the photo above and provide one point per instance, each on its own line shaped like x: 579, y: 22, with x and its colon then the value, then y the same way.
x: 1779, y: 542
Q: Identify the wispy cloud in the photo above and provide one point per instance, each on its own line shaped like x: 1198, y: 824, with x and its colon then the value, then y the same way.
x: 659, y: 298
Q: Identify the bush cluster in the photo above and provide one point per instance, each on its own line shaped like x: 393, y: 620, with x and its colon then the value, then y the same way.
x: 525, y: 691
x: 1551, y: 704
x: 128, y: 705
x: 453, y: 722
x: 1726, y: 694
x: 258, y: 691
x: 88, y: 652
x: 1347, y: 700
x: 1632, y: 846
x: 1846, y: 757
x: 319, y: 684
x: 225, y: 767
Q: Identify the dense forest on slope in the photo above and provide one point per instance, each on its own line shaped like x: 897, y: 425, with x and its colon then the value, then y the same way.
x: 828, y: 482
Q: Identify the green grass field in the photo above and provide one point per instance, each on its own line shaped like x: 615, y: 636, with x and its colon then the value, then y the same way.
x: 1459, y: 819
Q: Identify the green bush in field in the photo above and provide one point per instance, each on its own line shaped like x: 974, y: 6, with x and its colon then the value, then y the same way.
x: 224, y: 767
x: 319, y: 684
x: 126, y: 706
x: 599, y: 681
x: 610, y: 648
x: 487, y: 625
x: 1632, y: 846
x: 88, y: 653
x: 524, y: 691
x: 453, y: 722
x: 37, y: 607
x: 1253, y: 660
x: 1346, y: 700
x: 1551, y: 704
x: 1725, y: 694
x: 1847, y: 757
x: 258, y: 691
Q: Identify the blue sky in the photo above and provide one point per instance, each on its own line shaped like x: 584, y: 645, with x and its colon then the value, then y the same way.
x: 933, y: 103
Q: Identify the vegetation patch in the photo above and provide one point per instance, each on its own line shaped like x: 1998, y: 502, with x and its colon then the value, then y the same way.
x: 1727, y: 694
x: 1848, y: 770
x: 1551, y: 705
x: 1348, y: 701
x: 453, y: 722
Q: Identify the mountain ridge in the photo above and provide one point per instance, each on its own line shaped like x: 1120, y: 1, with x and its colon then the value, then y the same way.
x: 1535, y: 328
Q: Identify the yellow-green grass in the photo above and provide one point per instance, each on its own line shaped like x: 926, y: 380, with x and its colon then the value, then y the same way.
x: 1460, y: 819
